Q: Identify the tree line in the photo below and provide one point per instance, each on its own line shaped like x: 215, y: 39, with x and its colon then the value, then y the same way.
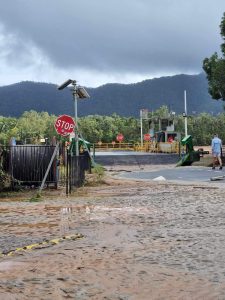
x: 33, y: 127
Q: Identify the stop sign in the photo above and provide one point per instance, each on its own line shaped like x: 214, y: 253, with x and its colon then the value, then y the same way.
x: 147, y: 137
x: 119, y: 137
x: 64, y: 125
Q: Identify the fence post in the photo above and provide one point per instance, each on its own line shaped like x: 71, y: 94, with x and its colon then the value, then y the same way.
x: 67, y: 171
x: 49, y: 166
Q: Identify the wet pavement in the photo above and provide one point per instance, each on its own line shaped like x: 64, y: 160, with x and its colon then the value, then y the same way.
x: 185, y: 174
x: 141, y: 238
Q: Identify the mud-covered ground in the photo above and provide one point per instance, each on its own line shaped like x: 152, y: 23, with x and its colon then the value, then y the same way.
x: 141, y: 240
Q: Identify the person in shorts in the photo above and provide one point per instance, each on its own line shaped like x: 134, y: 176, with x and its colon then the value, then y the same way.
x: 216, y: 151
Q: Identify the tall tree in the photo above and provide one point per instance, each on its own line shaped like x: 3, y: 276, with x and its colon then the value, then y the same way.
x: 215, y: 69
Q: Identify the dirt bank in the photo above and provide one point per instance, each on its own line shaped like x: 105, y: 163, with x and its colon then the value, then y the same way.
x: 142, y: 240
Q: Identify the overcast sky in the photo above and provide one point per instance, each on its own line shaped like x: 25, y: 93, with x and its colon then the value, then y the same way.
x: 101, y: 41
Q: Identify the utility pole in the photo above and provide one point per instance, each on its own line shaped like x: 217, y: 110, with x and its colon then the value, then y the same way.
x: 141, y: 128
x: 75, y: 116
x: 185, y: 113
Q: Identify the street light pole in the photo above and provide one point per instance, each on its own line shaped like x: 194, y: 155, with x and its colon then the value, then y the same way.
x: 141, y: 128
x: 185, y: 113
x: 75, y: 116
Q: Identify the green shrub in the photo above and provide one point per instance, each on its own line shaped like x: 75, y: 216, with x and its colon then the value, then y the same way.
x: 98, y: 173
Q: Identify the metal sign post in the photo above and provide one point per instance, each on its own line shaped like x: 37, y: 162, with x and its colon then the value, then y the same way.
x: 141, y: 128
x: 185, y: 113
x: 143, y: 115
x: 75, y: 117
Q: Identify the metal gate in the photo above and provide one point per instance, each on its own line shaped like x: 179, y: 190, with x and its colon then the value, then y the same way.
x: 27, y: 165
x: 75, y: 170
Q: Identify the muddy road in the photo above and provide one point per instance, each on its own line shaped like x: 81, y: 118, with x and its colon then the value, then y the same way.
x: 138, y: 240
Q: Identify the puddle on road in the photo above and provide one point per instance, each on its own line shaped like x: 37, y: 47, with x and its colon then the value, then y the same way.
x: 32, y: 224
x: 6, y: 265
x: 176, y: 233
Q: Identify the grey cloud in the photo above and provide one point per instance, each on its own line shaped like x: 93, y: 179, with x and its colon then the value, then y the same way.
x: 140, y: 36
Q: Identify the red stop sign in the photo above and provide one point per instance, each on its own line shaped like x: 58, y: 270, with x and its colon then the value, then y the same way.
x: 119, y: 137
x: 64, y: 125
x: 147, y: 137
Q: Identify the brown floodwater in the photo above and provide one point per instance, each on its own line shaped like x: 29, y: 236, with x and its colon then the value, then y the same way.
x: 141, y: 240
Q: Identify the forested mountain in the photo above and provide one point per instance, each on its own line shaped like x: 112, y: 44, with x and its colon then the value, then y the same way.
x: 122, y: 99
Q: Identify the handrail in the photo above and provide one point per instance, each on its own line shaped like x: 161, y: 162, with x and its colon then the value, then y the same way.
x: 114, y: 146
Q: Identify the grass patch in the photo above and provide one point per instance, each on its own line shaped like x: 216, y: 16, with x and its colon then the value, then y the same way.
x: 98, y: 171
x: 36, y: 198
x: 96, y: 177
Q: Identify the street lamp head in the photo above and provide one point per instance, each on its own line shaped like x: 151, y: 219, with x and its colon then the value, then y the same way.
x: 77, y: 90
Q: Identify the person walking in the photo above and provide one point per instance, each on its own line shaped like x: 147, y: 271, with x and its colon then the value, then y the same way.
x: 216, y: 151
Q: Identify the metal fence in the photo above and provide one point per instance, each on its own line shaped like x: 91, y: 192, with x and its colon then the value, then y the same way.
x: 148, y: 146
x: 76, y: 168
x: 113, y: 146
x: 27, y: 165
